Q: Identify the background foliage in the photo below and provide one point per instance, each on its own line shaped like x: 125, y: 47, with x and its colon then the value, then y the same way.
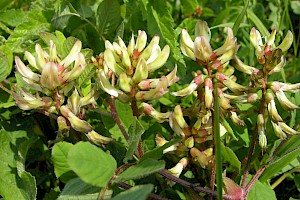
x: 33, y: 168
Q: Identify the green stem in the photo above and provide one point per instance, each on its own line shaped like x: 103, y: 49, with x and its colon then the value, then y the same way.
x: 216, y: 133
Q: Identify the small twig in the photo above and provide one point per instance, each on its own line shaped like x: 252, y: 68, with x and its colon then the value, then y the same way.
x: 115, y: 115
x: 253, y: 180
x: 5, y: 89
x: 101, y: 112
x: 186, y: 184
x: 44, y: 112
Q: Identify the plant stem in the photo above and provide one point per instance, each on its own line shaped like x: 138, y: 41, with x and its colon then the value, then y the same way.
x: 186, y: 184
x: 253, y: 180
x: 115, y: 115
x: 100, y: 111
x: 217, y: 140
x: 5, y: 89
x: 135, y: 110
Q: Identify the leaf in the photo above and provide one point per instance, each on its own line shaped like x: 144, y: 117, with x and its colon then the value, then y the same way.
x: 188, y: 7
x: 230, y: 157
x: 91, y: 164
x: 108, y: 16
x: 239, y: 19
x: 279, y: 163
x: 67, y: 46
x: 295, y: 5
x: 26, y: 32
x: 261, y: 191
x: 140, y: 192
x: 60, y: 160
x: 142, y: 169
x: 160, y: 21
x: 12, y: 17
x: 15, y: 183
x: 135, y: 132
x: 260, y: 26
x: 78, y: 187
x: 61, y: 18
x: 5, y: 66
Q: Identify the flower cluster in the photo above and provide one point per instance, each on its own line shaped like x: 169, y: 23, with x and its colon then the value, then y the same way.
x: 216, y: 70
x: 132, y: 65
x: 52, y: 77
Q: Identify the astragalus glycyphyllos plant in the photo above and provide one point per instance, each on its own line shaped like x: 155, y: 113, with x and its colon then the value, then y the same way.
x: 52, y: 84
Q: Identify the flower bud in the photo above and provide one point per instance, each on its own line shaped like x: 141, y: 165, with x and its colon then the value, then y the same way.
x: 286, y: 42
x: 72, y: 54
x: 189, y: 142
x: 98, y: 139
x: 202, y: 49
x: 271, y: 38
x: 176, y: 171
x: 26, y: 71
x: 77, y: 70
x: 76, y: 123
x: 283, y: 100
x: 40, y: 57
x: 178, y: 115
x: 187, y: 51
x: 141, y: 71
x: 197, y: 81
x: 74, y: 102
x: 131, y: 46
x: 124, y: 82
x: 149, y: 49
x: 126, y: 61
x: 228, y: 44
x: 261, y: 131
x: 149, y: 110
x: 50, y: 78
x: 62, y: 125
x: 160, y: 60
x: 272, y: 108
x: 121, y: 43
x: 278, y: 131
x: 233, y: 86
x: 160, y: 141
x: 141, y: 41
x: 111, y: 62
x: 255, y: 39
x: 31, y: 60
x: 286, y: 87
x: 208, y: 87
x: 186, y: 39
x: 52, y: 51
x: 287, y: 129
x: 239, y: 65
x: 236, y: 119
x: 203, y: 157
x: 106, y: 86
x: 202, y: 29
x: 278, y: 67
x: 156, y: 93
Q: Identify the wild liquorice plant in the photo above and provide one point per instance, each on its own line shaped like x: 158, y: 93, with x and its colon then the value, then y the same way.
x: 53, y: 83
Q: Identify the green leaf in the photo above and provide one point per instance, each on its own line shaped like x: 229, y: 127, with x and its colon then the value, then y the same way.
x: 261, y: 191
x: 12, y: 17
x: 279, y: 163
x: 230, y: 157
x: 78, y: 187
x: 15, y: 183
x: 160, y: 21
x: 60, y: 160
x: 61, y: 18
x: 67, y: 46
x: 135, y: 132
x: 259, y: 25
x: 25, y: 33
x: 142, y: 169
x: 5, y: 66
x: 140, y: 192
x: 108, y: 16
x: 91, y: 163
x: 239, y: 20
x: 295, y: 5
x: 188, y: 7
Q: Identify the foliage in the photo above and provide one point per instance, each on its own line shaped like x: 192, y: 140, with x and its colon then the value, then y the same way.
x: 123, y: 99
